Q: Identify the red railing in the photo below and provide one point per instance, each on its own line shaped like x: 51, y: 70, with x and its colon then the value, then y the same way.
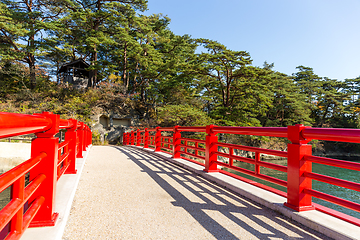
x: 207, y: 152
x: 33, y: 205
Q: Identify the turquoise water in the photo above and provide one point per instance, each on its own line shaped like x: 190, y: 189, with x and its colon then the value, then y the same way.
x: 336, y: 172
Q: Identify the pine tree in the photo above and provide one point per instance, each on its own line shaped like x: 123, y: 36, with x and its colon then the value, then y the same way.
x: 22, y: 27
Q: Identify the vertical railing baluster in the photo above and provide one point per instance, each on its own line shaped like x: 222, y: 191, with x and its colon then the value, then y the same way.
x: 71, y: 136
x: 90, y: 137
x: 231, y: 152
x: 80, y: 134
x: 138, y: 137
x: 83, y: 137
x: 257, y: 159
x: 158, y: 140
x: 17, y: 191
x: 197, y: 146
x: 132, y: 138
x: 146, y: 138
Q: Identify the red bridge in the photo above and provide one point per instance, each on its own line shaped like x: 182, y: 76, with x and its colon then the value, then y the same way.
x: 158, y: 152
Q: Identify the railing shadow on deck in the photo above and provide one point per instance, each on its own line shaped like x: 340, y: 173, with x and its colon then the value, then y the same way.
x: 221, y: 212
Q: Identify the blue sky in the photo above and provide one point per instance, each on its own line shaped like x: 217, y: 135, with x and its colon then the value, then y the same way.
x: 322, y: 34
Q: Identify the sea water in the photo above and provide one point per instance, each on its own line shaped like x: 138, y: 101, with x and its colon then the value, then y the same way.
x: 336, y: 172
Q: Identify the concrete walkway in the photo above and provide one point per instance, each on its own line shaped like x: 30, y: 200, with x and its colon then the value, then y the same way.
x: 125, y: 193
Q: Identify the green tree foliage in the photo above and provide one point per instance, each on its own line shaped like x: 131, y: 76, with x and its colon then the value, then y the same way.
x: 22, y: 26
x: 330, y: 104
x: 220, y: 69
x: 87, y: 29
x: 183, y: 115
x: 310, y: 86
x: 222, y: 74
x: 239, y: 94
x: 308, y: 82
x: 288, y: 106
x: 326, y: 97
x: 14, y: 77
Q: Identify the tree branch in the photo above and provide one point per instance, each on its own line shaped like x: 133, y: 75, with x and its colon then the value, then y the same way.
x: 10, y: 40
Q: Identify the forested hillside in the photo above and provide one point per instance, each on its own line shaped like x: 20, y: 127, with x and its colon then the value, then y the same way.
x: 141, y: 66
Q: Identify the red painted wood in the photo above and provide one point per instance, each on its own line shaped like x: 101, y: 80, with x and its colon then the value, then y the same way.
x: 297, y: 166
x: 211, y: 148
x: 47, y: 157
x: 13, y: 124
x: 146, y: 138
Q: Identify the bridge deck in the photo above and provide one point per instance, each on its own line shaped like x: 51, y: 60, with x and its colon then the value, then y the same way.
x: 125, y: 193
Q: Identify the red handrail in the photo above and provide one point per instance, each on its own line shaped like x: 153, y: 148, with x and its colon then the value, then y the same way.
x: 192, y: 129
x: 166, y: 129
x: 256, y: 131
x: 332, y: 134
x: 65, y: 124
x: 47, y: 157
x: 14, y: 124
x: 299, y: 159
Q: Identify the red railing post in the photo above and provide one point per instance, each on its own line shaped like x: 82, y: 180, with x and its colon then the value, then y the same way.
x: 123, y: 138
x: 86, y: 131
x: 146, y: 138
x: 132, y: 138
x: 176, y: 142
x: 71, y: 136
x: 297, y: 166
x: 138, y: 137
x: 90, y: 137
x: 80, y: 135
x: 158, y: 140
x: 46, y: 142
x: 84, y: 136
x: 211, y: 148
x: 127, y: 138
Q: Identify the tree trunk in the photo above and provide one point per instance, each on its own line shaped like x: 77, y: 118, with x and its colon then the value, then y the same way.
x: 125, y: 78
x: 58, y: 79
x: 32, y: 70
x: 31, y: 62
x: 142, y: 94
x: 94, y: 60
x: 94, y: 55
